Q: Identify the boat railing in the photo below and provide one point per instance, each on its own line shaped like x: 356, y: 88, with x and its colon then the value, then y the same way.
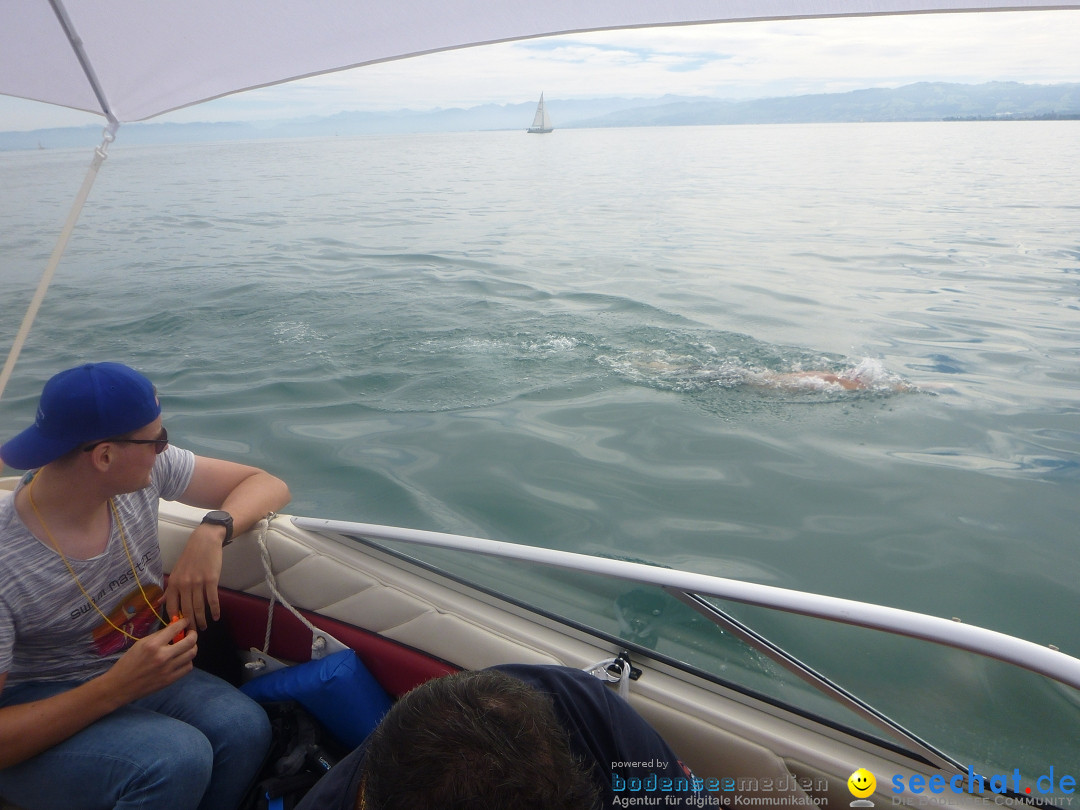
x: 695, y: 590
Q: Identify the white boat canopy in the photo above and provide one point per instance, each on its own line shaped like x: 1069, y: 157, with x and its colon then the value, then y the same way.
x: 130, y: 60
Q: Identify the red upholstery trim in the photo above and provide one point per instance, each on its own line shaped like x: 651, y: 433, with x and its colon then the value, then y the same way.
x: 396, y: 667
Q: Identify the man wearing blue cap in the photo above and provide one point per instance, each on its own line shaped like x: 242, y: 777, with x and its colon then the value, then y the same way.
x: 99, y: 705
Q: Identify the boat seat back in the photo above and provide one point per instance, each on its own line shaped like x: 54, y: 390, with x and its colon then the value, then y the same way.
x: 397, y: 667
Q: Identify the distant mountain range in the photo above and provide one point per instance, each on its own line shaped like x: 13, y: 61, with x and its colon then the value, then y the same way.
x: 925, y: 101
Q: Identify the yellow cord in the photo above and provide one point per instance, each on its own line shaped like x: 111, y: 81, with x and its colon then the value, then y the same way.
x: 74, y: 576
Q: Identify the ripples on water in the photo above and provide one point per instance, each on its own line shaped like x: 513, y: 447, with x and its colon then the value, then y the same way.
x: 599, y: 340
x: 636, y: 282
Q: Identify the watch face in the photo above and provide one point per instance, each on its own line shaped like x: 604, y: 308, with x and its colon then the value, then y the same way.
x: 219, y: 518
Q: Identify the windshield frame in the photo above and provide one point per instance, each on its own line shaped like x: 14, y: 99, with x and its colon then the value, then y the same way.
x: 691, y: 589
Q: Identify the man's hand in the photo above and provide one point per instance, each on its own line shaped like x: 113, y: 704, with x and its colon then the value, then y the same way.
x: 154, y: 662
x: 193, y: 581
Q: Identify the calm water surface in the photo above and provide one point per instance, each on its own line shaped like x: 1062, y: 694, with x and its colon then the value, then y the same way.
x: 575, y: 341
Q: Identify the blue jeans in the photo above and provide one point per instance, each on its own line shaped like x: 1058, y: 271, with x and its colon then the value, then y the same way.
x: 197, y: 743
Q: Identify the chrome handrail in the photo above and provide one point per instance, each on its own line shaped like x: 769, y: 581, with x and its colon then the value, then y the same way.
x: 1046, y: 661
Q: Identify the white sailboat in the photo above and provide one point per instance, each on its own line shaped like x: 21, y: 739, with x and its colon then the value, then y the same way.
x: 541, y: 121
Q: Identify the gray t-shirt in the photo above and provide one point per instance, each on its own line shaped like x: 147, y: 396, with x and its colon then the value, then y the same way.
x: 49, y: 630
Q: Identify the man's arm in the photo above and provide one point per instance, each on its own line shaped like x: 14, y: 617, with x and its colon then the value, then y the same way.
x: 246, y: 493
x: 152, y: 663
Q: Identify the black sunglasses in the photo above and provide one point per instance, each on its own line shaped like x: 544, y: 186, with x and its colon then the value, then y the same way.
x: 160, y: 443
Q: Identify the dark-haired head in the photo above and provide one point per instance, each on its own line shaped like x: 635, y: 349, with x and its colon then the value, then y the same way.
x: 478, y: 740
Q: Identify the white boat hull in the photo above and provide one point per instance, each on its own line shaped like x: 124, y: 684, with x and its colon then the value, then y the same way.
x: 409, y: 623
x: 777, y: 758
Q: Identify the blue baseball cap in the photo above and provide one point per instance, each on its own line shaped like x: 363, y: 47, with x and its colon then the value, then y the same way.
x: 81, y: 405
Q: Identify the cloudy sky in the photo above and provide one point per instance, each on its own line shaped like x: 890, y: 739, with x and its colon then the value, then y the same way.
x: 743, y: 60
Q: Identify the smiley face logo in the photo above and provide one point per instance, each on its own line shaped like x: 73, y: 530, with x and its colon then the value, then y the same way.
x: 861, y: 783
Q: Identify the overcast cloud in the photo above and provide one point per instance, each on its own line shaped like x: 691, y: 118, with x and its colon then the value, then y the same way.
x: 743, y: 60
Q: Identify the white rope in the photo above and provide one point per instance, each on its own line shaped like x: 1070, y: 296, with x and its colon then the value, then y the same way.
x: 603, y: 671
x: 263, y: 525
x: 61, y: 245
x: 322, y: 643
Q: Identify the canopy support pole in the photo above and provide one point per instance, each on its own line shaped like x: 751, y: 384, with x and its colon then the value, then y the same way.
x: 80, y: 199
x: 58, y: 252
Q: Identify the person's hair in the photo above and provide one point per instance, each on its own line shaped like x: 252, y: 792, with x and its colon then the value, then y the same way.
x: 478, y: 740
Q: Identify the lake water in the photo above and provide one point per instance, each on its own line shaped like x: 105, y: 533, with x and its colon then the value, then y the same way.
x: 581, y: 341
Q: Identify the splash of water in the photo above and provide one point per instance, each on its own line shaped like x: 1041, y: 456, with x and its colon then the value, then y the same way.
x: 684, y: 372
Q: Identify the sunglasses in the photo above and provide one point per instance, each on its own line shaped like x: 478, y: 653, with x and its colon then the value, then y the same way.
x: 160, y: 443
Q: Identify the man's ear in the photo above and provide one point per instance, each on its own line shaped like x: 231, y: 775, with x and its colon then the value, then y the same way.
x: 102, y: 456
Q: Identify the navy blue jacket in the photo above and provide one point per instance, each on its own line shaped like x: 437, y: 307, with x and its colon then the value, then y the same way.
x: 629, y: 758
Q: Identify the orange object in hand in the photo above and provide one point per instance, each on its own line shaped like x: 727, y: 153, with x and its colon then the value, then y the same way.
x: 180, y: 635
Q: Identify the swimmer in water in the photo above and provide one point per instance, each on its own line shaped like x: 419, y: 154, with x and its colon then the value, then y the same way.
x: 868, y: 375
x: 796, y: 379
x: 848, y: 380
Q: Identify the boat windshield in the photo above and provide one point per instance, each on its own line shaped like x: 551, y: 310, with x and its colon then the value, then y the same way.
x: 979, y: 714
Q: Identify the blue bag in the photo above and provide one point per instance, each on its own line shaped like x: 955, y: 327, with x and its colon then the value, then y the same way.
x: 337, y: 690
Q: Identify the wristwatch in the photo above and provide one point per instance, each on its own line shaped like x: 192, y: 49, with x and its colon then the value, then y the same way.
x: 219, y: 518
